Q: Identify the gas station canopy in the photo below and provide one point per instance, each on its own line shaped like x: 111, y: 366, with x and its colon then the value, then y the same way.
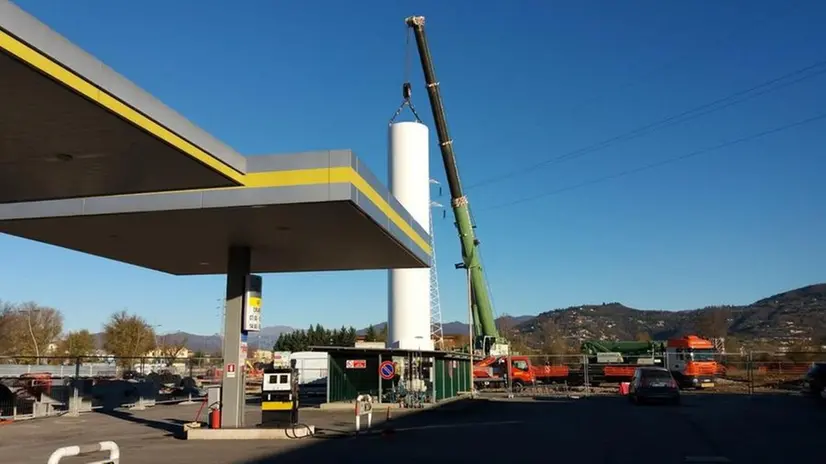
x: 72, y: 127
x: 90, y: 162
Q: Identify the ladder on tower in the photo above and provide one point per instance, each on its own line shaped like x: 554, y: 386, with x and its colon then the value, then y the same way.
x: 436, y: 330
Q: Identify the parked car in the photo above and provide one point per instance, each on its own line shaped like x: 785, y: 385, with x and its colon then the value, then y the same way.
x: 651, y: 384
x: 814, y: 382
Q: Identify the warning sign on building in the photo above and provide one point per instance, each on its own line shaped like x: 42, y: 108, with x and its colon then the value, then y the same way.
x: 355, y: 364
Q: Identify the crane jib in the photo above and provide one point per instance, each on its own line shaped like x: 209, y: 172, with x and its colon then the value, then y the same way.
x: 482, y: 309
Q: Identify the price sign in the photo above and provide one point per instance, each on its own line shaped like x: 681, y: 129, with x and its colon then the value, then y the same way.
x: 252, y: 304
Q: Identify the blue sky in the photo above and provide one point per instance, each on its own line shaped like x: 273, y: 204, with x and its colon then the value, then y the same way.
x: 523, y: 82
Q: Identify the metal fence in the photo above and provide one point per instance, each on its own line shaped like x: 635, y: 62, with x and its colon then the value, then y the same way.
x: 47, y: 386
x: 757, y: 372
x: 585, y: 375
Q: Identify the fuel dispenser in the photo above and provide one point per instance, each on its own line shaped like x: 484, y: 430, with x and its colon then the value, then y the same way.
x: 279, y: 397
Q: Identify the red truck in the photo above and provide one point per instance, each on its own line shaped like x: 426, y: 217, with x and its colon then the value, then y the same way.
x: 491, y: 372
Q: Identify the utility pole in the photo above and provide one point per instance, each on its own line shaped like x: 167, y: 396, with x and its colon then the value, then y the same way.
x: 222, y: 312
x: 34, y: 339
x: 470, y: 328
x: 28, y: 313
x: 469, y: 278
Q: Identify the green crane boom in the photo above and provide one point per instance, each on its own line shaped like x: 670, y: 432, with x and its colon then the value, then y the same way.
x: 483, y: 319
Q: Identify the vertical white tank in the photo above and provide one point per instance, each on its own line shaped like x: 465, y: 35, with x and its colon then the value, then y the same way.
x: 408, y: 313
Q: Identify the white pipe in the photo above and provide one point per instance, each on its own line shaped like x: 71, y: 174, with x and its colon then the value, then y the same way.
x: 71, y: 451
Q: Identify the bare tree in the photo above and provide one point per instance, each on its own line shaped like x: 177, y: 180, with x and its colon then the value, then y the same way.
x: 7, y: 328
x: 551, y: 339
x: 713, y: 322
x: 733, y: 345
x: 508, y: 329
x: 171, y: 348
x: 518, y: 344
x: 79, y: 343
x: 505, y: 324
x: 28, y: 329
x: 128, y: 336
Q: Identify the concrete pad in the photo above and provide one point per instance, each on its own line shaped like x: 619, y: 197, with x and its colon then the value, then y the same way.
x: 299, y: 431
x: 348, y: 405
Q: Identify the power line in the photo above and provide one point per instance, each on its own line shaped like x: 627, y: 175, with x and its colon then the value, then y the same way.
x: 659, y: 163
x: 763, y: 88
x: 732, y: 32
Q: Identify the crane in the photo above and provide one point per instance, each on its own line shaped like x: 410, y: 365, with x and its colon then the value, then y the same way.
x: 486, y: 335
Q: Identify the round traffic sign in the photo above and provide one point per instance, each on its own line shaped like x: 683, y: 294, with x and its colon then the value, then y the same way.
x: 387, y: 370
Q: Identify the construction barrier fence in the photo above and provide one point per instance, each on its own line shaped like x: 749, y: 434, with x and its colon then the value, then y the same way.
x: 578, y: 374
x: 49, y: 386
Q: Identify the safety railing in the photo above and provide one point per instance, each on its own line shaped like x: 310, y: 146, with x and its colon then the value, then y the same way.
x: 364, y: 407
x: 84, y: 450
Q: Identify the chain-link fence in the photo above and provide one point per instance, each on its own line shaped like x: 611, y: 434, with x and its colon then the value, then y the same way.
x: 587, y: 375
x: 49, y: 385
x: 780, y: 371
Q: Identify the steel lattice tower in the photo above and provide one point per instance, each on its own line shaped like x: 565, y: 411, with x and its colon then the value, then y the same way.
x: 436, y: 331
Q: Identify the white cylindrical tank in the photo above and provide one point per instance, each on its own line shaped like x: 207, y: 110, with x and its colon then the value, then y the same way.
x: 408, y: 314
x: 409, y: 169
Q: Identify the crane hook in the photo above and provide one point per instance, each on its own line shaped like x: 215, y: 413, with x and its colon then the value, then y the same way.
x: 407, y: 92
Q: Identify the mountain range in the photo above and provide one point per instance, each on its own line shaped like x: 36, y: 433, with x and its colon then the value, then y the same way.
x: 265, y: 339
x: 796, y: 317
x: 788, y: 318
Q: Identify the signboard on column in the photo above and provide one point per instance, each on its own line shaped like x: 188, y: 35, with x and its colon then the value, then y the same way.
x: 242, y: 353
x: 252, y: 304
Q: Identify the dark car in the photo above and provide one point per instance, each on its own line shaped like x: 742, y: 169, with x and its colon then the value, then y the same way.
x: 815, y: 380
x: 651, y: 384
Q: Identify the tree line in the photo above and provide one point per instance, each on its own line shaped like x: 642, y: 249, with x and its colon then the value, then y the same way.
x: 315, y: 335
x: 28, y: 330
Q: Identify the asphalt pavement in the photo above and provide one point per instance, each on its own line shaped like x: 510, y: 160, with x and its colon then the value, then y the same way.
x: 606, y: 430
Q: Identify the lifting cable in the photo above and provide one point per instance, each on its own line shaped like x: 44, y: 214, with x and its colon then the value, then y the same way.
x: 407, y: 89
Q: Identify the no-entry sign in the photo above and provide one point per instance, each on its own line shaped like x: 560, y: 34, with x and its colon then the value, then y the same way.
x: 387, y: 370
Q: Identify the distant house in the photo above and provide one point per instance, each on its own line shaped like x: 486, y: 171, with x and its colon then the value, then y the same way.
x: 370, y: 345
x: 262, y: 356
x: 159, y: 354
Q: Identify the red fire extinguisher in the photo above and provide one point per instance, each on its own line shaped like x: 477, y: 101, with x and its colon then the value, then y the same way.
x: 215, y: 418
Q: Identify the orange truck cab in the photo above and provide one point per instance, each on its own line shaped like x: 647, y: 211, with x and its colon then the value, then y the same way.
x: 692, y: 361
x: 490, y: 372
